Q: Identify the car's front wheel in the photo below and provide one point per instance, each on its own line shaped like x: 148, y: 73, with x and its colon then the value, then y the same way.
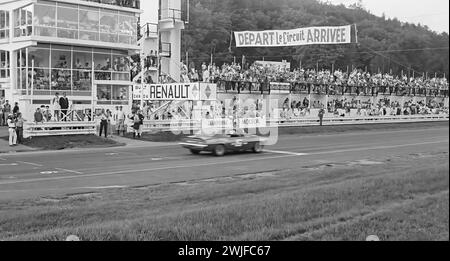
x: 258, y: 148
x: 219, y: 150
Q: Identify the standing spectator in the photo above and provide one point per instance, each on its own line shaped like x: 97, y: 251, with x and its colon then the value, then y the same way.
x: 137, y: 122
x: 64, y: 103
x: 19, y: 127
x: 110, y: 122
x: 12, y: 130
x: 16, y: 109
x: 48, y: 114
x: 6, y: 111
x: 141, y: 123
x: 103, y: 123
x: 321, y: 114
x: 56, y: 107
x: 2, y: 122
x: 120, y: 121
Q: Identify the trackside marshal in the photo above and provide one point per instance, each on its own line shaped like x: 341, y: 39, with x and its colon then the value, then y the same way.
x: 295, y: 37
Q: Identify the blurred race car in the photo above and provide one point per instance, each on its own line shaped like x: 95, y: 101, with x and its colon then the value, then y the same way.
x: 222, y: 143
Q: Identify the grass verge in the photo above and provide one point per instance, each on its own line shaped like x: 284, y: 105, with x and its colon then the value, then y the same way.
x: 403, y: 198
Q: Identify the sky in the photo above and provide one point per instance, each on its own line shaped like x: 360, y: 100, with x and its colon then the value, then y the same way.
x: 433, y: 13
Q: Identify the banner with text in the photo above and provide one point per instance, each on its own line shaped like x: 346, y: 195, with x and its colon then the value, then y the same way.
x: 295, y: 37
x: 176, y: 92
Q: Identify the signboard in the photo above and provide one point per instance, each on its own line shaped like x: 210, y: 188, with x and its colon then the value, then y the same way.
x: 208, y: 91
x: 252, y: 123
x: 217, y: 123
x: 176, y: 92
x: 280, y: 88
x: 146, y: 92
x: 137, y: 92
x: 295, y: 37
x: 279, y: 65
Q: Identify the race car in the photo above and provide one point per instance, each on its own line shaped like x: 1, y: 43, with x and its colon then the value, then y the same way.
x: 220, y: 144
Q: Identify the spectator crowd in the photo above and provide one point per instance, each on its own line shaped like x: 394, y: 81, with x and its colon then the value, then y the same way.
x: 264, y: 74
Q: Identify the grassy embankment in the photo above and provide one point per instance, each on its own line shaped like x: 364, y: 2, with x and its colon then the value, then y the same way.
x: 402, y: 198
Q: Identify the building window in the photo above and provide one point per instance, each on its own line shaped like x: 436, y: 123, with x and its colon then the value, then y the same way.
x: 89, y: 24
x: 112, y: 94
x: 23, y: 21
x: 67, y: 21
x: 53, y: 68
x: 80, y: 22
x: 4, y: 64
x: 4, y: 25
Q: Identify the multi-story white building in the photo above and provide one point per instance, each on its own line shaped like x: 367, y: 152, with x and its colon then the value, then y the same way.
x: 83, y: 48
x: 77, y: 47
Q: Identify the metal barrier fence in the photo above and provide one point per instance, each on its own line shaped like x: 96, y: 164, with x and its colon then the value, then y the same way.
x: 182, y: 125
x: 87, y: 128
x: 58, y: 129
x: 357, y: 120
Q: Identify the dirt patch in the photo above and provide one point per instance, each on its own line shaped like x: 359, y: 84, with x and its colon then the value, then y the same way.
x: 164, y: 136
x: 69, y: 142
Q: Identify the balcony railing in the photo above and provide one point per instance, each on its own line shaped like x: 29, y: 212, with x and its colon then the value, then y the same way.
x: 136, y: 4
x: 173, y: 14
x: 148, y: 30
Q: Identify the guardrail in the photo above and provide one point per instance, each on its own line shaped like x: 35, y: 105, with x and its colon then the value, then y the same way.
x: 183, y: 125
x: 58, y: 129
x: 356, y: 120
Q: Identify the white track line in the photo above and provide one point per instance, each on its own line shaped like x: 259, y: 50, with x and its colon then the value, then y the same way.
x: 72, y: 171
x: 104, y: 187
x: 30, y: 163
x: 9, y: 164
x: 286, y: 152
x: 215, y: 163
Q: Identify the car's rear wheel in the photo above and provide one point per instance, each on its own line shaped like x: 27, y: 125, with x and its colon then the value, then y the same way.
x: 258, y: 148
x: 195, y: 152
x: 219, y: 150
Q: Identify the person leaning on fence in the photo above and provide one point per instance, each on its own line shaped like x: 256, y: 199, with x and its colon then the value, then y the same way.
x: 103, y: 123
x: 12, y: 130
x: 56, y: 106
x: 38, y: 116
x: 64, y: 103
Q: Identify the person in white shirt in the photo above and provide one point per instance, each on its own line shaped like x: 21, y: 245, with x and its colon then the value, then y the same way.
x: 12, y: 130
x: 104, y: 118
x: 56, y: 107
x: 120, y: 121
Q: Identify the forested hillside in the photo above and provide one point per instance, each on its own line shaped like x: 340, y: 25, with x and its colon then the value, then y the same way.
x: 384, y: 44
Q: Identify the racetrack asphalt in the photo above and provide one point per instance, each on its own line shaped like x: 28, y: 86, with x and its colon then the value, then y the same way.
x: 55, y: 174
